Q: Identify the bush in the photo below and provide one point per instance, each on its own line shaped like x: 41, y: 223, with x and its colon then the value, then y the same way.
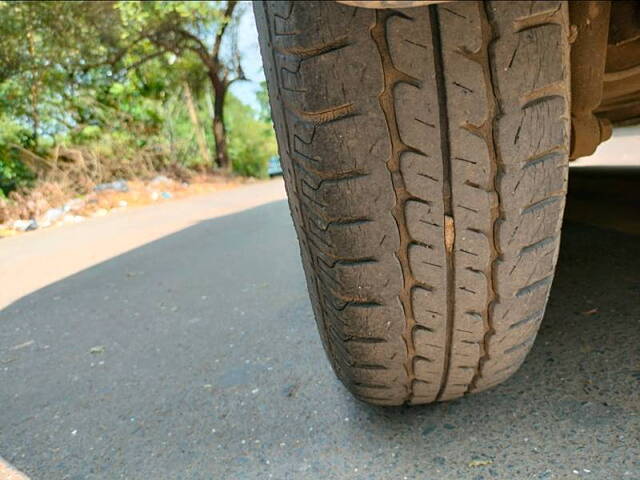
x: 251, y: 141
x: 13, y: 174
x: 247, y: 160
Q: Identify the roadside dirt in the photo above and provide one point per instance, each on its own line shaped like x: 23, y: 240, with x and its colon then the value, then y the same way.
x: 41, y: 210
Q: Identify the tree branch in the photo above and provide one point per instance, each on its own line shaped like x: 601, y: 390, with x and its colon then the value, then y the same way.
x: 120, y: 54
x: 236, y: 79
x: 145, y: 59
x: 228, y: 13
x: 193, y: 43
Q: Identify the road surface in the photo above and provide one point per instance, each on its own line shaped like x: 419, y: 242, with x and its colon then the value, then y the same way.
x: 45, y: 256
x: 194, y: 355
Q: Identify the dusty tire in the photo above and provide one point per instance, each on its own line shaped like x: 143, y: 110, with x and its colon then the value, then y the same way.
x: 425, y: 159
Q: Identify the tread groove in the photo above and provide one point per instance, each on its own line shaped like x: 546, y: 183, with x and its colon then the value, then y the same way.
x: 483, y: 57
x: 536, y: 20
x: 540, y: 204
x: 552, y: 154
x: 528, y: 319
x: 316, y: 50
x: 447, y: 192
x: 535, y: 246
x: 328, y: 115
x: 532, y: 287
x: 392, y: 77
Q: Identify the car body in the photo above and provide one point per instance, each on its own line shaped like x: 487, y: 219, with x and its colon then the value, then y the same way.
x: 274, y: 168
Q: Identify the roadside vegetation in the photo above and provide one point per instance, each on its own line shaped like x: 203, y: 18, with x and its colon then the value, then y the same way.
x: 94, y: 92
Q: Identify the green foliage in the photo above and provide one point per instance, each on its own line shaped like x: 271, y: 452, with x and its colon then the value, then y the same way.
x: 14, y: 174
x: 251, y: 140
x: 264, y: 109
x: 90, y: 75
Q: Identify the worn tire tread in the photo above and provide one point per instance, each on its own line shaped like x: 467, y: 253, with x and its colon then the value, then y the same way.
x: 425, y: 160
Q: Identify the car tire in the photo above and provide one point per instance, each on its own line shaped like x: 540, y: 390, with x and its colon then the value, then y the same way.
x: 425, y: 156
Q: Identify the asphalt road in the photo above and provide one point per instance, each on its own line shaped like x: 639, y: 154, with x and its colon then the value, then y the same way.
x: 195, y: 356
x: 32, y: 261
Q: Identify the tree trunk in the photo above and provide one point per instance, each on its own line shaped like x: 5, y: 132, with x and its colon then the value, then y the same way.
x: 193, y: 115
x: 219, y: 129
x: 35, y: 114
x: 34, y: 93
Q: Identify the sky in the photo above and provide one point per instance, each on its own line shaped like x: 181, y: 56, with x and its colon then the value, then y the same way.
x: 251, y: 61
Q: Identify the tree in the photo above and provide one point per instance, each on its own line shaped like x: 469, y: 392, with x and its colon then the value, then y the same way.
x: 264, y: 109
x: 251, y: 139
x: 46, y: 45
x: 205, y: 29
x: 129, y: 84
